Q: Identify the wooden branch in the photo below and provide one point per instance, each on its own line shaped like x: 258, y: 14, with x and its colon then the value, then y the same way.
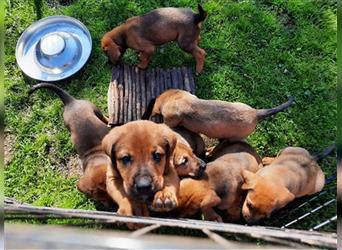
x: 259, y: 232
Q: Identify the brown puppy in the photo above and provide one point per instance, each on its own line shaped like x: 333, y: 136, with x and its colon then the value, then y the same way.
x: 142, y: 167
x: 221, y: 184
x: 143, y: 33
x: 185, y: 160
x: 215, y: 119
x: 87, y: 126
x: 293, y: 173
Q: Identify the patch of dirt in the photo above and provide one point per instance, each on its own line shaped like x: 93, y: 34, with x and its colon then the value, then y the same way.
x: 9, y: 143
x: 73, y: 166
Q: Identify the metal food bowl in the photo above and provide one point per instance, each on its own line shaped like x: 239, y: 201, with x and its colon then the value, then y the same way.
x: 53, y: 48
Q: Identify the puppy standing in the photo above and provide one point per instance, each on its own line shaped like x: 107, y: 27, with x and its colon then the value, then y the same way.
x: 87, y: 126
x: 142, y: 168
x: 215, y: 119
x: 143, y: 33
x: 221, y: 184
x: 293, y: 173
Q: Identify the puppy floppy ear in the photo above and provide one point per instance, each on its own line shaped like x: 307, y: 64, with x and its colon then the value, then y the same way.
x: 109, y: 141
x: 249, y: 180
x: 284, y: 197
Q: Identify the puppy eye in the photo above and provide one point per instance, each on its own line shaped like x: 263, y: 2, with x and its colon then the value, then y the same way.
x: 156, y: 156
x: 184, y: 161
x: 126, y: 160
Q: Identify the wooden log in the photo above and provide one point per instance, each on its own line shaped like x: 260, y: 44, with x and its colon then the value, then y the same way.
x: 126, y: 95
x: 138, y: 94
x: 192, y: 81
x: 142, y: 81
x: 116, y: 73
x: 186, y: 79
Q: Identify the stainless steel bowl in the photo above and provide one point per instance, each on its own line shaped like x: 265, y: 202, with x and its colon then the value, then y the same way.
x: 53, y: 48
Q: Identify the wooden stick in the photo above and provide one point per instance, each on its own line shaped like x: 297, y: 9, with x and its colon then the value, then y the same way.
x: 180, y: 79
x: 186, y: 79
x: 138, y: 94
x: 174, y: 78
x: 143, y: 91
x: 134, y: 93
x: 192, y: 81
x: 126, y: 95
x: 148, y: 87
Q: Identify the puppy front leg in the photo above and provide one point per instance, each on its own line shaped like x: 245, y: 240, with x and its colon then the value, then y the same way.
x: 210, y: 201
x: 145, y: 56
x: 166, y: 199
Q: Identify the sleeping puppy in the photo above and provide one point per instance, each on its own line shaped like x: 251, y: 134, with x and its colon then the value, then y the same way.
x: 159, y: 26
x: 87, y: 126
x: 142, y: 168
x: 215, y: 119
x: 220, y: 186
x: 293, y: 173
x: 185, y: 160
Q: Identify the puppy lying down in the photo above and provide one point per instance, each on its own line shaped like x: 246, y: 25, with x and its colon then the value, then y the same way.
x: 293, y: 173
x: 220, y: 185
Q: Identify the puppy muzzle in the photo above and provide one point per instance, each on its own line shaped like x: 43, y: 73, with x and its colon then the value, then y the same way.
x: 201, y: 168
x: 143, y: 187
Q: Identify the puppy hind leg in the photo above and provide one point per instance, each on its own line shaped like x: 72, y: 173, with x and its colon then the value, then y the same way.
x: 190, y: 46
x: 210, y: 201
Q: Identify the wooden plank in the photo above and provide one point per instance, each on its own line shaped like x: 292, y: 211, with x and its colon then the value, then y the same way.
x: 148, y: 87
x: 174, y: 78
x: 134, y: 91
x: 153, y: 83
x: 115, y: 101
x: 138, y: 94
x: 163, y: 80
x: 180, y: 79
x: 259, y: 232
x: 130, y: 94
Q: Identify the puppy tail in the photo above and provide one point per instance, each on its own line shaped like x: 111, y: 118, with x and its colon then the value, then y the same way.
x: 201, y: 15
x: 148, y: 112
x: 63, y: 95
x: 325, y: 152
x: 263, y: 113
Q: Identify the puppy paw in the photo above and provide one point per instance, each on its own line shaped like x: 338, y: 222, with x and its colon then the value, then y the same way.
x: 214, y: 217
x: 164, y: 201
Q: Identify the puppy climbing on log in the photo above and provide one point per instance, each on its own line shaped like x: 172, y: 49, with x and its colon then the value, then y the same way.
x: 159, y: 26
x: 88, y: 127
x: 213, y: 118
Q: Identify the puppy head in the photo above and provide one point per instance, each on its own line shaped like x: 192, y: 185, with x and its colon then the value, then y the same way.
x: 186, y: 162
x: 111, y: 49
x: 141, y: 153
x: 263, y: 197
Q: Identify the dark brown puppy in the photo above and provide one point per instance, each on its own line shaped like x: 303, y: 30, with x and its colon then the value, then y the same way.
x: 215, y: 119
x: 142, y: 169
x: 185, y: 159
x: 87, y: 126
x: 143, y: 33
x: 221, y: 184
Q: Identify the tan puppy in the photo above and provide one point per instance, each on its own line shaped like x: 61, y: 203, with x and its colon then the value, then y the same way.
x: 185, y: 160
x: 143, y: 33
x: 215, y: 119
x: 87, y: 126
x: 142, y: 168
x: 220, y: 186
x: 293, y: 173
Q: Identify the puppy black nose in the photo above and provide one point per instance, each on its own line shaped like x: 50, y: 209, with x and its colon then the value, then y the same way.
x: 143, y: 184
x: 203, y: 165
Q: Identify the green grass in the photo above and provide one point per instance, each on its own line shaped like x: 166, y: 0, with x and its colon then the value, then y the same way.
x: 258, y: 52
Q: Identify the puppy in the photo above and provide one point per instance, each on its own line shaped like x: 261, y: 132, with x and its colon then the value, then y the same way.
x: 215, y: 119
x: 185, y: 160
x: 220, y: 187
x: 143, y: 33
x: 142, y: 168
x: 87, y: 126
x: 293, y: 173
